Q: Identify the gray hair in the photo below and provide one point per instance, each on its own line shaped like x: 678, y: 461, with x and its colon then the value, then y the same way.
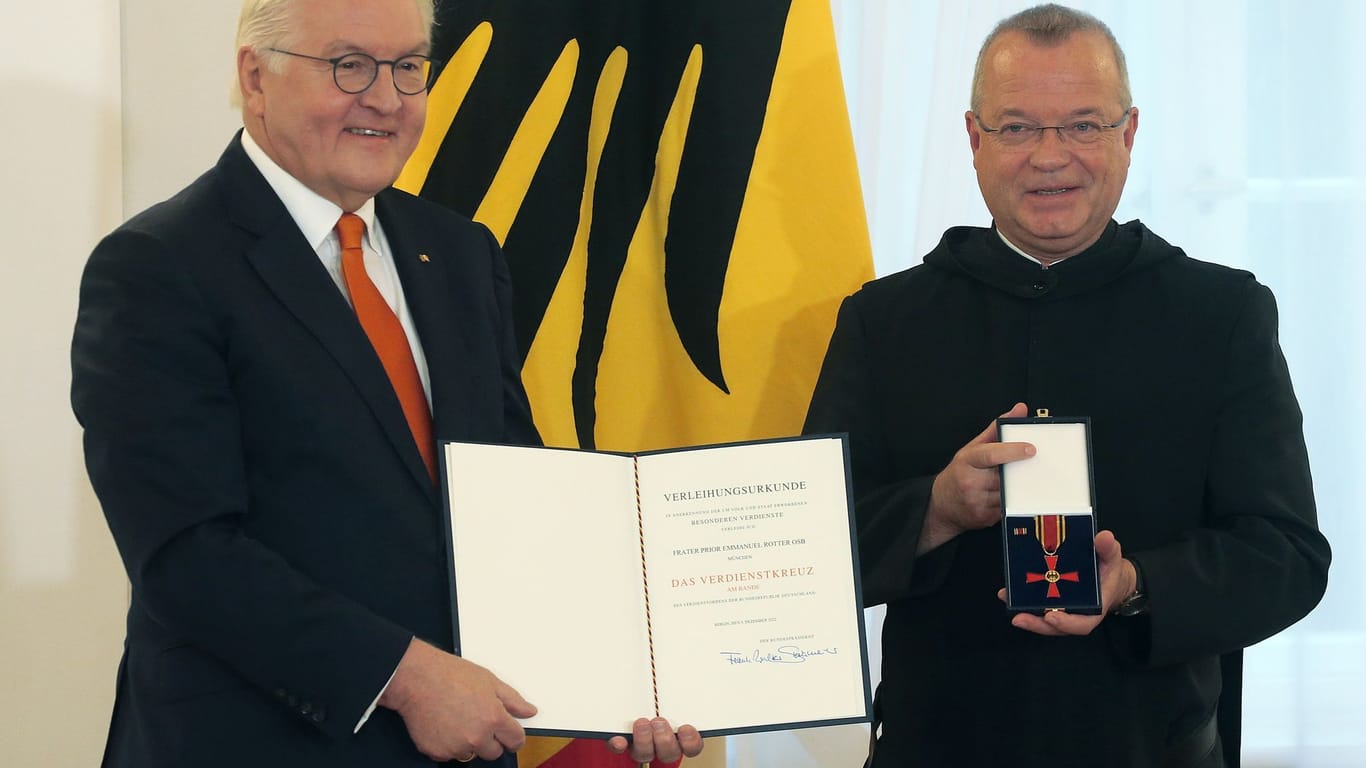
x: 1051, y: 25
x: 266, y: 24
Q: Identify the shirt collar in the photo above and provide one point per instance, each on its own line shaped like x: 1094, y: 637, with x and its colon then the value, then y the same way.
x: 315, y: 215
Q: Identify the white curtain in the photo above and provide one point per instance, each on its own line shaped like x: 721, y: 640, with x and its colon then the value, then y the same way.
x: 1250, y: 153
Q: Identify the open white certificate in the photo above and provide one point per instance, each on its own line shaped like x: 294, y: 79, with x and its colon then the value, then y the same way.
x: 716, y: 586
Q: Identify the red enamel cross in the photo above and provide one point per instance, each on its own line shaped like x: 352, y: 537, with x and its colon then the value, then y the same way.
x: 1052, y: 576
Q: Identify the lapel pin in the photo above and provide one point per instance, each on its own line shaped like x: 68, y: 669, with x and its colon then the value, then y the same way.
x: 424, y: 258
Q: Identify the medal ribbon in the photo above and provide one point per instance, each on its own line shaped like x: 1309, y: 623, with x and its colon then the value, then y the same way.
x: 1051, y: 531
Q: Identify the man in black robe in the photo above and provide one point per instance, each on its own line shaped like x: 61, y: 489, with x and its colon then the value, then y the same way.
x: 1199, y: 457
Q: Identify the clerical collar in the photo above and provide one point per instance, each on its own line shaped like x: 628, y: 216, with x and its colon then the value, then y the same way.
x: 1020, y: 251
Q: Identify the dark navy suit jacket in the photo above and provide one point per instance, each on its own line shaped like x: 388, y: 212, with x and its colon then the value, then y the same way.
x: 276, y: 521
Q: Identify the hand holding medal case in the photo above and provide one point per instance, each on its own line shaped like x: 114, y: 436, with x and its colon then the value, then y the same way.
x: 1048, y: 503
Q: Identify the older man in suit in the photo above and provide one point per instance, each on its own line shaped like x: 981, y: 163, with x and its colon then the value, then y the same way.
x: 262, y: 365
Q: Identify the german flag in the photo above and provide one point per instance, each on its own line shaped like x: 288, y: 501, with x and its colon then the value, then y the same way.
x: 675, y: 189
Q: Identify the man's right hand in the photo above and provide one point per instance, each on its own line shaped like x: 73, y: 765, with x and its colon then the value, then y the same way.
x: 967, y: 493
x: 455, y: 709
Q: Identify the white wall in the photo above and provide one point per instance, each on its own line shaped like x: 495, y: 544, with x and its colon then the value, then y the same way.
x: 75, y: 167
x: 61, y: 586
x: 178, y: 60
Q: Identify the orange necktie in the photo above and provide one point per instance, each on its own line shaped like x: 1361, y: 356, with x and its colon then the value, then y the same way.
x: 387, y: 336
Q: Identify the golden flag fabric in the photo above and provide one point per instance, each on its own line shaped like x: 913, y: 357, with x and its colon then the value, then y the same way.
x: 674, y: 186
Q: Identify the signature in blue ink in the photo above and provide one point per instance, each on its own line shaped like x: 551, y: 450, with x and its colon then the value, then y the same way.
x: 783, y: 654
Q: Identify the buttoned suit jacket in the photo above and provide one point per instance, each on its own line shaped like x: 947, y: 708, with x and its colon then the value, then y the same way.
x: 280, y: 532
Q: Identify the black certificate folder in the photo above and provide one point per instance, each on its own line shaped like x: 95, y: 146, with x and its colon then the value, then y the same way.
x: 1048, y: 502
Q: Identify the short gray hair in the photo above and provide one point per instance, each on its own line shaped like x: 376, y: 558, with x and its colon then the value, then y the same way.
x: 1050, y: 25
x: 266, y: 24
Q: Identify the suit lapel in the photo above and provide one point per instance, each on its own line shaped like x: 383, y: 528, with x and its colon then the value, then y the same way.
x: 290, y: 268
x: 437, y: 302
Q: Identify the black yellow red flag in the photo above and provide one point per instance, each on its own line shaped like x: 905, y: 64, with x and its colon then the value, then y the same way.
x: 674, y: 186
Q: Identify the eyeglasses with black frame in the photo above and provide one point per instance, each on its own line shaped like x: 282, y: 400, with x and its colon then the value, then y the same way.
x: 1080, y: 132
x: 356, y: 72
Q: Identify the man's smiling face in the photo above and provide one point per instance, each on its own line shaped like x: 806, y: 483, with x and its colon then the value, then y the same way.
x: 1052, y: 198
x: 346, y: 147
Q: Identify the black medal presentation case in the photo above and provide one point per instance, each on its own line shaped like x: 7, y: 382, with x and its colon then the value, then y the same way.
x: 1049, y: 525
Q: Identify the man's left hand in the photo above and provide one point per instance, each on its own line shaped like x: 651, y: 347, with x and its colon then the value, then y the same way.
x: 655, y: 740
x: 1117, y: 581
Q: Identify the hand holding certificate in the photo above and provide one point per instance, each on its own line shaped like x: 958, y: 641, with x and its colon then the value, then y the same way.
x: 715, y: 586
